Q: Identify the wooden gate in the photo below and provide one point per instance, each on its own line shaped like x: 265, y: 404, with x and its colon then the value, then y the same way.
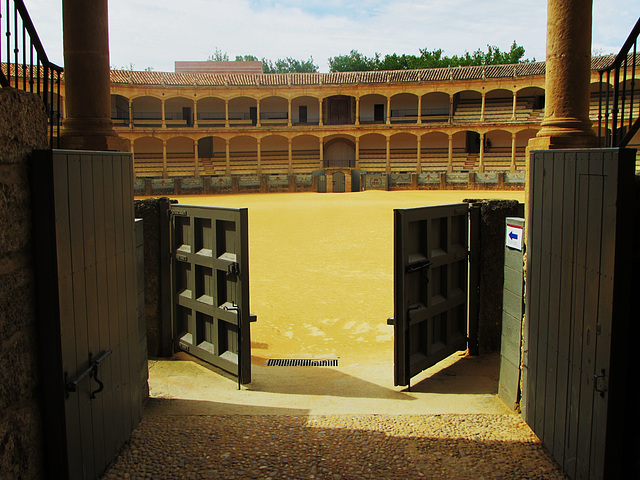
x: 87, y: 307
x: 430, y: 286
x: 578, y: 319
x: 210, y: 271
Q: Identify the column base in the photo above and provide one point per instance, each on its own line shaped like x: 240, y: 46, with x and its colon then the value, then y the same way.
x: 98, y: 143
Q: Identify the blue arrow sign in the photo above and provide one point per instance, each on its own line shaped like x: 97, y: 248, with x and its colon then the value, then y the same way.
x: 513, y: 236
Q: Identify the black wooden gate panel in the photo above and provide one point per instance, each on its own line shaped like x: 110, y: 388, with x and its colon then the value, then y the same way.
x: 83, y: 208
x: 577, y: 255
x: 430, y: 286
x: 210, y: 250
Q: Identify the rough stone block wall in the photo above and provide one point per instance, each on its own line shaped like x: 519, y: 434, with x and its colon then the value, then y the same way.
x: 23, y: 128
x: 492, y: 239
x: 151, y: 211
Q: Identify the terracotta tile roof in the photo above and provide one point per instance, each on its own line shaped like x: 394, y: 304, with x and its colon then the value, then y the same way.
x: 341, y: 78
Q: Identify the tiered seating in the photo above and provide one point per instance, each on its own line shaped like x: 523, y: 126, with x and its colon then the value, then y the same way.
x: 497, y: 159
x: 274, y: 162
x: 373, y: 160
x: 148, y: 164
x: 403, y: 160
x: 305, y: 161
x: 467, y: 111
x: 435, y: 159
x: 499, y: 110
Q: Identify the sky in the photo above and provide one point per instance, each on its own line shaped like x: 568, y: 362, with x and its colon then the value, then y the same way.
x: 155, y: 33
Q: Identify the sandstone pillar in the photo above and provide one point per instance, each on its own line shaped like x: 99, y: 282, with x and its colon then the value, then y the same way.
x: 259, y: 155
x: 515, y: 101
x: 258, y: 124
x: 419, y: 155
x: 481, y: 166
x: 195, y: 113
x: 226, y: 113
x: 88, y: 124
x: 513, y: 152
x: 228, y: 155
x: 289, y: 113
x: 357, y: 152
x: 290, y: 142
x: 482, y: 107
x: 388, y: 111
x: 320, y: 112
x: 420, y: 109
x: 357, y: 111
x: 566, y: 123
x: 388, y: 164
x: 450, y: 157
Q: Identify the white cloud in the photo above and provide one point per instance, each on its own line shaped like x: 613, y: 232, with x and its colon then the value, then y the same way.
x: 155, y: 33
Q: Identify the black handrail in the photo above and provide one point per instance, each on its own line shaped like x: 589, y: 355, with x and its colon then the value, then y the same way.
x: 617, y: 116
x: 29, y: 69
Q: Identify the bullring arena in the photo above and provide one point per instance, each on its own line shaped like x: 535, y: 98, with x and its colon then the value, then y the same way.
x: 201, y: 132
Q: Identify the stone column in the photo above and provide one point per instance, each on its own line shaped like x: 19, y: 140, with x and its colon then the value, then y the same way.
x: 419, y: 155
x: 228, y: 154
x: 130, y: 113
x: 163, y: 113
x: 515, y: 100
x: 290, y: 141
x: 450, y: 109
x: 164, y: 159
x: 388, y: 111
x: 481, y: 166
x: 258, y: 124
x: 195, y: 113
x: 357, y: 111
x: 450, y: 161
x: 320, y: 112
x: 566, y: 122
x: 482, y: 108
x: 419, y: 109
x: 388, y: 165
x: 226, y: 114
x: 289, y: 123
x: 259, y: 155
x: 357, y: 152
x: 87, y: 125
x: 133, y: 157
x: 513, y: 152
x: 196, y: 171
x: 321, y: 141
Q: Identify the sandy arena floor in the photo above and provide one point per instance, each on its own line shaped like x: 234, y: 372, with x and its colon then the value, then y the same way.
x: 321, y: 274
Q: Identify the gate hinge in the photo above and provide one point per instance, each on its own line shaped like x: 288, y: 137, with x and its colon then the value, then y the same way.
x: 233, y: 269
x: 599, y: 383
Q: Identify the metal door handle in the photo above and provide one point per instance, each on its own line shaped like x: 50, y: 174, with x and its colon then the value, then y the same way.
x: 91, y: 371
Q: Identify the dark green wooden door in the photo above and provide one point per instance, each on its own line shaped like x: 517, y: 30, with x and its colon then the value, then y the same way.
x: 430, y: 286
x: 338, y: 182
x: 93, y: 370
x: 210, y: 271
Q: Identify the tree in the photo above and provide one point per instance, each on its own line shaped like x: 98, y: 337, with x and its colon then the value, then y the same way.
x: 355, y: 61
x: 289, y: 65
x: 218, y: 56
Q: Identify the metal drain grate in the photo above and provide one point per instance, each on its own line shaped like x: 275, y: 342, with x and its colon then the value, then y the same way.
x: 302, y: 362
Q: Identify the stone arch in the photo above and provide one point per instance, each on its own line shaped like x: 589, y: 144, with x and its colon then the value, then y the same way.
x: 339, y: 152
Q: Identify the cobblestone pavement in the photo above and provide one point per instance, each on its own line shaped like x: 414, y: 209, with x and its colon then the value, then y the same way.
x: 334, y: 447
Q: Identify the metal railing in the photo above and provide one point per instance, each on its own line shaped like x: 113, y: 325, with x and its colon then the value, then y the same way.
x: 25, y: 64
x: 618, y: 109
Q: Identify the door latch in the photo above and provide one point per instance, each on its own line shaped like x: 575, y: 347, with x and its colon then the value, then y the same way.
x: 599, y: 383
x: 92, y: 372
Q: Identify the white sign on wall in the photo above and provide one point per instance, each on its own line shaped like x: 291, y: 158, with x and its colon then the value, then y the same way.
x: 514, y: 236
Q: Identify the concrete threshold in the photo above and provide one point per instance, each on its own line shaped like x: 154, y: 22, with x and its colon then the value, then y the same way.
x: 184, y: 385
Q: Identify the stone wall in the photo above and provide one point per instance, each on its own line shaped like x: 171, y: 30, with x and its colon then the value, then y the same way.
x: 157, y: 296
x: 492, y: 239
x: 23, y: 128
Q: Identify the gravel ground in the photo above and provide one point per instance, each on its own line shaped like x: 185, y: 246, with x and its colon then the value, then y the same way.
x: 334, y: 447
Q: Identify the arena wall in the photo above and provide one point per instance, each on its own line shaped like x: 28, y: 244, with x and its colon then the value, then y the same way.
x: 23, y: 129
